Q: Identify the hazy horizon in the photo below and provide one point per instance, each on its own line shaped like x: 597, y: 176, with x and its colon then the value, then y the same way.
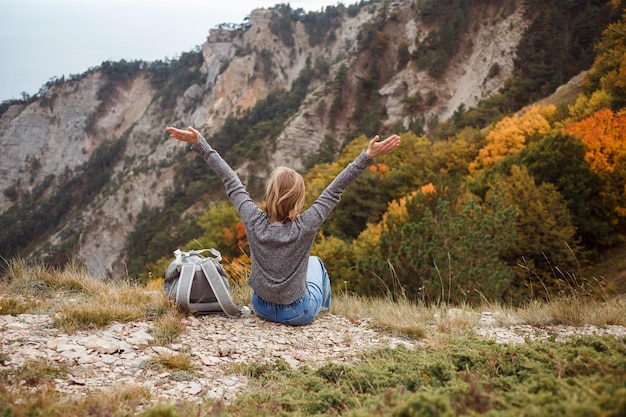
x: 44, y: 39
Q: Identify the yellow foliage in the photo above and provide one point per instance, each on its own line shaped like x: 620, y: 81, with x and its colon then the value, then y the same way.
x: 368, y: 241
x: 586, y: 106
x: 396, y: 211
x: 428, y: 188
x: 510, y: 134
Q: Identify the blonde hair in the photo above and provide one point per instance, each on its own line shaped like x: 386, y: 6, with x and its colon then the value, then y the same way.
x: 285, y: 194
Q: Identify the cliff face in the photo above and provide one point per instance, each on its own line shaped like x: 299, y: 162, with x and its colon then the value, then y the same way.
x: 52, y: 139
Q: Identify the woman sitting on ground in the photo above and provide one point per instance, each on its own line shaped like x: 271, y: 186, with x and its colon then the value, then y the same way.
x: 289, y: 285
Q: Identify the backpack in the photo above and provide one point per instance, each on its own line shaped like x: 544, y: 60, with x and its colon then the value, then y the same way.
x: 200, y: 285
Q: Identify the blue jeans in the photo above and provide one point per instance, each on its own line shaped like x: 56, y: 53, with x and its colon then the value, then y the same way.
x: 304, y: 310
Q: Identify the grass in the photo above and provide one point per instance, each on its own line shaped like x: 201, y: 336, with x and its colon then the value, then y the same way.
x: 452, y: 373
x: 33, y: 373
x: 171, y: 362
x: 611, y: 269
x: 78, y: 301
x: 462, y: 377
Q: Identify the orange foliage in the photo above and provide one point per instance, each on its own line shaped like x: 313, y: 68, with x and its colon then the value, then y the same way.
x: 228, y: 235
x: 381, y: 169
x: 240, y: 233
x: 428, y: 188
x: 605, y: 136
x: 510, y: 134
x: 241, y: 230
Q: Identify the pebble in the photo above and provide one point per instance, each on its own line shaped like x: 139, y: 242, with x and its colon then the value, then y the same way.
x: 114, y: 357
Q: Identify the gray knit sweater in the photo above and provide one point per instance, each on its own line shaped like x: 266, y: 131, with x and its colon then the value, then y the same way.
x: 280, y: 251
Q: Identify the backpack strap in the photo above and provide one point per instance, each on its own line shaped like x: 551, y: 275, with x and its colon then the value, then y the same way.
x: 183, y: 287
x: 221, y: 292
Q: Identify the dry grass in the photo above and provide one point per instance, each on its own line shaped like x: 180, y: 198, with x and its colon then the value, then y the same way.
x: 405, y: 318
x: 78, y: 301
x: 172, y: 362
x: 168, y: 327
x: 45, y: 401
x: 575, y: 311
x: 611, y: 270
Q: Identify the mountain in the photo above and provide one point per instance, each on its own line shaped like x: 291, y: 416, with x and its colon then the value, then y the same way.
x: 86, y: 164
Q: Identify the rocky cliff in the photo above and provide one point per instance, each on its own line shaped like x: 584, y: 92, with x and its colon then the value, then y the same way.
x: 51, y: 145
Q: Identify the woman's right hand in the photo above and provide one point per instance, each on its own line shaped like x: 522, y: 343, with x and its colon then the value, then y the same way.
x: 190, y: 135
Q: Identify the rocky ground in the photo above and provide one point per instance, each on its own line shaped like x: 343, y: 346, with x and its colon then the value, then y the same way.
x: 116, y: 356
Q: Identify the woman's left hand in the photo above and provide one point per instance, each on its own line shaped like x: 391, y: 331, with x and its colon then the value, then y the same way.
x: 190, y: 135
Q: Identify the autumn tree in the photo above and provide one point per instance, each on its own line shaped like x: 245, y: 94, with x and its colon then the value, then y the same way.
x: 511, y: 134
x: 585, y: 106
x: 365, y: 201
x: 376, y: 276
x: 338, y: 260
x: 604, y: 134
x: 559, y: 159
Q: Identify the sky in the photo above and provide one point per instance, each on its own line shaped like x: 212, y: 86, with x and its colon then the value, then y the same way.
x: 44, y: 39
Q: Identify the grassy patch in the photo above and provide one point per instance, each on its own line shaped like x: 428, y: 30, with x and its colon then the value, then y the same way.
x: 171, y: 362
x: 575, y: 311
x: 463, y: 377
x: 78, y: 301
x: 168, y: 328
x: 123, y: 401
x: 401, y: 318
x: 33, y: 373
x: 14, y: 305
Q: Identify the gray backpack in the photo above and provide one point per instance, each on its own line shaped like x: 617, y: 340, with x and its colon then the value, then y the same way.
x: 200, y: 285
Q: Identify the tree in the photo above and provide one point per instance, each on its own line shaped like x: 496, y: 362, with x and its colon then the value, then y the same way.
x: 438, y: 247
x: 222, y: 229
x: 366, y: 199
x: 604, y: 134
x: 337, y: 257
x: 560, y: 160
x: 545, y: 244
x: 511, y: 134
x: 609, y: 68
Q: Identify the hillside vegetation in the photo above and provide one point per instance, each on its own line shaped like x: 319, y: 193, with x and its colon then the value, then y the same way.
x: 87, y: 158
x: 515, y: 206
x: 509, y: 211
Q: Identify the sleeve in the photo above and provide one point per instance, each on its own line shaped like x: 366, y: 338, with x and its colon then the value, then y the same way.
x: 235, y: 189
x: 315, y: 215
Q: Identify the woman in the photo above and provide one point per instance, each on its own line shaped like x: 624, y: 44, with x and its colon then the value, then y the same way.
x: 289, y: 286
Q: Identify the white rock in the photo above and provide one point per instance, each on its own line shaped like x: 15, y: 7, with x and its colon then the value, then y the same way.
x: 108, y: 359
x: 140, y: 338
x: 100, y: 344
x: 194, y: 388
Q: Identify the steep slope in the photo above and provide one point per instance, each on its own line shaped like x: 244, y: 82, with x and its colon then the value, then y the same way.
x: 54, y: 203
